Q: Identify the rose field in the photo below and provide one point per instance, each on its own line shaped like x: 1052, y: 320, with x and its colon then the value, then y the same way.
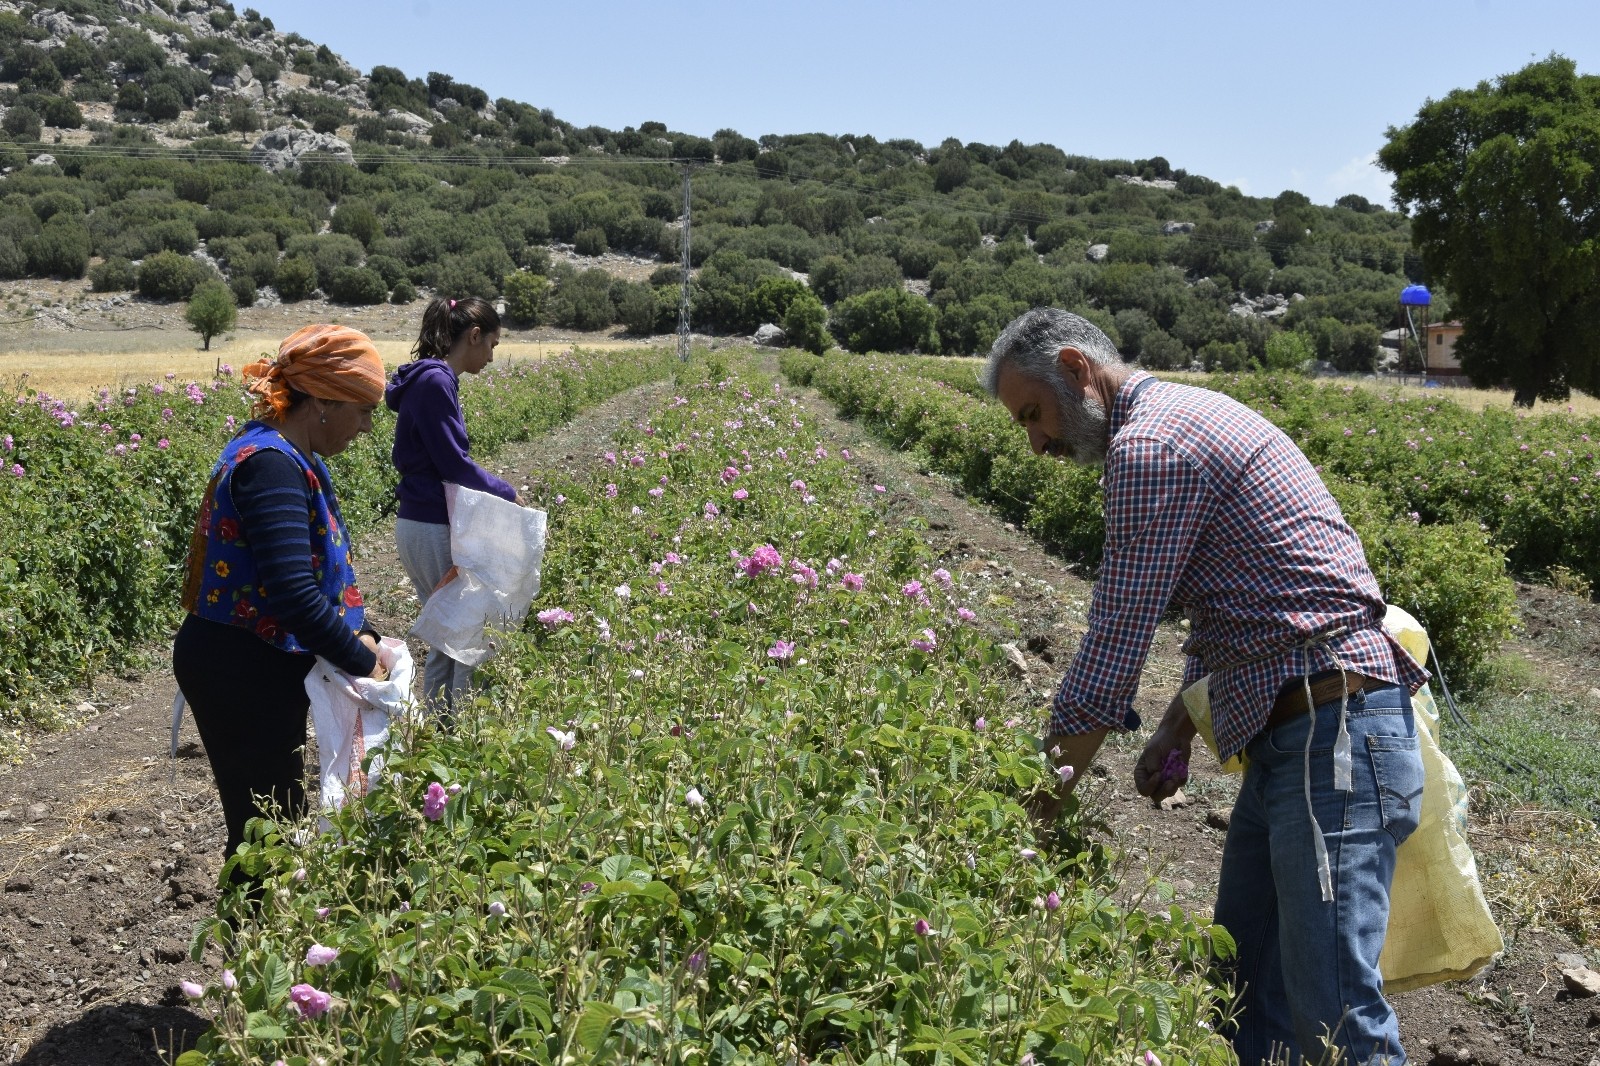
x: 750, y: 784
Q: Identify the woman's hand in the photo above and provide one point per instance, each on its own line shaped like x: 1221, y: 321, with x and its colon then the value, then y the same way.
x: 379, y: 671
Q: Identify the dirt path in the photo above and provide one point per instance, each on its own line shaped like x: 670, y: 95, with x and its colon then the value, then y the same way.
x: 108, y: 856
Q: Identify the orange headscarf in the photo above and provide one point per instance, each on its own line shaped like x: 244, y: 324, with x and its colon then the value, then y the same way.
x: 328, y: 362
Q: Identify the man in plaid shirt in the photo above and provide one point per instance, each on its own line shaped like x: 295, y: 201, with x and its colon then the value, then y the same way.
x: 1211, y: 507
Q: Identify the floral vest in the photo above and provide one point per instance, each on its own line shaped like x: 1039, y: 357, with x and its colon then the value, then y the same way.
x: 221, y: 582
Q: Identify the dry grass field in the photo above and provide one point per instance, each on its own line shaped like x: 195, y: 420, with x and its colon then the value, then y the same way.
x: 66, y: 365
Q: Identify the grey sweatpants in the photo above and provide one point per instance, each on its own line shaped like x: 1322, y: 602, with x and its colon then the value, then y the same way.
x: 424, y: 549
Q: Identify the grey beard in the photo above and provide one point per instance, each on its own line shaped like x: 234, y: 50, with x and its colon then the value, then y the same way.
x: 1085, y: 428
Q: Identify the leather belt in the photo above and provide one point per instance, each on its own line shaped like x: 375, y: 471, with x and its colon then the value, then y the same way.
x: 1291, y: 702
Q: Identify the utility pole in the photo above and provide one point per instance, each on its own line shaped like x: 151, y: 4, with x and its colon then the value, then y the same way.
x: 683, y: 298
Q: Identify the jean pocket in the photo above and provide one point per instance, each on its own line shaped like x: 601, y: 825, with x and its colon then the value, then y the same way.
x: 1397, y: 773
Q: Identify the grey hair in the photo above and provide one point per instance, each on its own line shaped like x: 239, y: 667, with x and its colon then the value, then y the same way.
x: 1033, y: 342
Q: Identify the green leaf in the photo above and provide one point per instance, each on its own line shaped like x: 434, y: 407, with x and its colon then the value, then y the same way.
x: 263, y: 1026
x: 594, y: 1023
x: 191, y: 1058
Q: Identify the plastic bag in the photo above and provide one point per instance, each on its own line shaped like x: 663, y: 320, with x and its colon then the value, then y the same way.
x: 1440, y: 928
x: 351, y: 717
x: 497, y: 549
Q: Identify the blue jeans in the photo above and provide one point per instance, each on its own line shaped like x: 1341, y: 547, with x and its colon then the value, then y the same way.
x: 1306, y: 974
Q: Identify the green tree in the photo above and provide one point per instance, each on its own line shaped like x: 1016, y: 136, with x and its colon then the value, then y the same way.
x: 296, y: 278
x: 805, y: 324
x: 1501, y: 185
x: 168, y: 276
x: 886, y: 320
x: 526, y: 295
x: 1288, y: 351
x: 163, y: 102
x: 358, y: 285
x: 211, y: 311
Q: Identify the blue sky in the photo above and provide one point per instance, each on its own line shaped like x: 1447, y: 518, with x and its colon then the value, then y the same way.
x: 1265, y: 96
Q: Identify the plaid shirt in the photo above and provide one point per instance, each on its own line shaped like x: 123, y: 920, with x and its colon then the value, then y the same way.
x: 1210, y: 506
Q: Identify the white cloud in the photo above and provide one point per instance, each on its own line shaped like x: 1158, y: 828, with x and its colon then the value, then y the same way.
x: 1362, y: 177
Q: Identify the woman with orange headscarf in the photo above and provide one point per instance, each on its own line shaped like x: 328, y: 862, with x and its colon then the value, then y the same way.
x: 269, y: 586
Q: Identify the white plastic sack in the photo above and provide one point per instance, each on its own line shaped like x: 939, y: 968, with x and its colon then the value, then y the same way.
x: 351, y: 718
x: 497, y: 549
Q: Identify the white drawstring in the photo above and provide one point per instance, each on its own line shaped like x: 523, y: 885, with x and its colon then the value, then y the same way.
x: 1341, y: 752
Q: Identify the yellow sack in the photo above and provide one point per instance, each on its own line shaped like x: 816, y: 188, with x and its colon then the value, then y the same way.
x: 1440, y: 928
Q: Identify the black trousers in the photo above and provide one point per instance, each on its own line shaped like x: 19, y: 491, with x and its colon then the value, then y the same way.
x: 249, y: 702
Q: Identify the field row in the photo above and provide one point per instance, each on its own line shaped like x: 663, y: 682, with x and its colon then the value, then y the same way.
x: 744, y: 792
x: 100, y: 500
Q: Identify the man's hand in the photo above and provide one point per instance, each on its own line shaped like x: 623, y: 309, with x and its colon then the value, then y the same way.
x: 1069, y: 758
x: 1163, y: 766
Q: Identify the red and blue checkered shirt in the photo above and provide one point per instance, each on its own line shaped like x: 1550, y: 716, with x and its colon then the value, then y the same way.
x: 1211, y: 507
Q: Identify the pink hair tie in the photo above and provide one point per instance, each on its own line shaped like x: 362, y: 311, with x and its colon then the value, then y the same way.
x: 452, y: 305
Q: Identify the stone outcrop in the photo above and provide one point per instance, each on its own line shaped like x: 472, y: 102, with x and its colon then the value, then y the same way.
x: 283, y: 148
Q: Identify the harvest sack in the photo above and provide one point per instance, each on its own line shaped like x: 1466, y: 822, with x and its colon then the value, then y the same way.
x: 497, y: 549
x: 351, y: 717
x: 1440, y: 928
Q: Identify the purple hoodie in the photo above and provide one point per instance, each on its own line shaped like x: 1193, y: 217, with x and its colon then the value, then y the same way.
x: 430, y: 441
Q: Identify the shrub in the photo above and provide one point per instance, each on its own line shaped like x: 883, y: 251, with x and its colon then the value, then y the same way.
x: 806, y: 324
x: 1288, y: 352
x: 636, y: 307
x: 583, y: 301
x: 358, y: 285
x: 526, y: 296
x: 130, y: 97
x: 243, y: 287
x: 295, y: 278
x: 404, y: 292
x: 62, y: 113
x: 168, y: 276
x: 114, y: 275
x: 61, y: 250
x: 163, y: 102
x: 886, y: 320
x: 22, y: 123
x: 590, y: 241
x: 331, y: 252
x: 390, y: 269
x: 211, y: 311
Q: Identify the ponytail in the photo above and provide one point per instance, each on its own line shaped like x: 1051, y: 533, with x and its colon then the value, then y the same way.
x: 444, y: 321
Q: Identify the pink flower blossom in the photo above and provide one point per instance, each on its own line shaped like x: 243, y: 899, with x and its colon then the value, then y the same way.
x: 781, y: 651
x: 657, y: 492
x: 433, y: 803
x: 761, y: 560
x: 928, y: 642
x: 318, y: 955
x: 565, y: 741
x: 1028, y: 853
x: 964, y: 614
x: 16, y: 470
x: 981, y: 724
x: 729, y: 473
x: 922, y: 928
x: 497, y: 909
x: 797, y: 485
x: 693, y: 798
x: 611, y: 458
x: 310, y: 1002
x: 1066, y: 773
x: 191, y: 989
x: 852, y: 582
x: 229, y: 981
x: 941, y: 577
x: 554, y: 617
x: 1052, y: 902
x: 879, y: 488
x: 911, y: 588
x: 740, y: 494
x: 611, y: 492
x: 711, y: 510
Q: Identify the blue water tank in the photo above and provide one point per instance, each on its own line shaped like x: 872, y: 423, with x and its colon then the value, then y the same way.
x: 1415, y: 296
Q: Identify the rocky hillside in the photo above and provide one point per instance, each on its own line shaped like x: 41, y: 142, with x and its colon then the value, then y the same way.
x: 154, y: 145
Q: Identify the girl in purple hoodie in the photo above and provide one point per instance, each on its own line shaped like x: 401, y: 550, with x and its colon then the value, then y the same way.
x: 430, y: 448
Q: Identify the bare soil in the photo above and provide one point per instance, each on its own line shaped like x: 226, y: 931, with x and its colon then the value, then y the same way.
x: 109, y: 854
